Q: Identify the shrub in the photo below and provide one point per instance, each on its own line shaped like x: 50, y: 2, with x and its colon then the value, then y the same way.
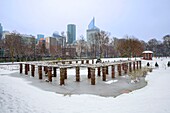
x: 156, y: 64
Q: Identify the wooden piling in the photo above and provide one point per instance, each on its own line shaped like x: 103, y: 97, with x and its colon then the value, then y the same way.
x: 61, y: 77
x: 137, y: 64
x: 104, y: 73
x: 89, y: 73
x: 140, y: 64
x: 28, y: 66
x: 113, y: 71
x: 26, y: 69
x: 46, y: 70
x: 125, y: 68
x: 50, y: 74
x: 92, y: 76
x: 55, y: 69
x: 32, y: 70
x: 20, y: 68
x: 134, y: 66
x: 40, y: 72
x: 77, y: 74
x: 98, y: 71
x: 130, y: 67
x: 87, y: 61
x: 92, y: 61
x: 107, y: 70
x: 65, y: 73
x: 119, y: 70
x: 82, y: 61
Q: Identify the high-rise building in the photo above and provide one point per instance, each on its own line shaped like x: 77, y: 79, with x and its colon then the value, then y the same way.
x: 61, y: 39
x: 51, y: 45
x: 1, y: 31
x: 71, y: 33
x: 39, y: 36
x: 92, y: 30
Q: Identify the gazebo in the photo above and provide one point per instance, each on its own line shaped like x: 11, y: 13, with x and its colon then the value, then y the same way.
x: 147, y: 55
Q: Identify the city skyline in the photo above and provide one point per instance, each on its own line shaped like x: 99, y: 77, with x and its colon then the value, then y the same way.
x: 142, y: 19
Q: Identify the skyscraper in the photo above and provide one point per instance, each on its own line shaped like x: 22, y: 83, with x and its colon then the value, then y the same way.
x: 1, y: 31
x: 39, y: 36
x: 71, y: 33
x: 92, y: 30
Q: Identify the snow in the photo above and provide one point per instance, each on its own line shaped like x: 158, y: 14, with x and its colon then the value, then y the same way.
x: 111, y: 81
x: 18, y: 96
x: 147, y: 52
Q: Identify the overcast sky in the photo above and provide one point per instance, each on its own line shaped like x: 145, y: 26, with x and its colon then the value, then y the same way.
x: 144, y: 19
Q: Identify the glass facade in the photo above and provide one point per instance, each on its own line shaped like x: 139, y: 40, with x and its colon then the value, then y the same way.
x: 39, y: 36
x: 92, y: 24
x: 91, y: 31
x: 71, y: 33
x: 1, y: 31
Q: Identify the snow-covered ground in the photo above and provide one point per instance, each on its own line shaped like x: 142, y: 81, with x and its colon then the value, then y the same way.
x: 18, y: 96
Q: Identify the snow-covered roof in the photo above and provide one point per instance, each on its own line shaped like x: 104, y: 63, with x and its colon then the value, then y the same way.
x: 147, y: 52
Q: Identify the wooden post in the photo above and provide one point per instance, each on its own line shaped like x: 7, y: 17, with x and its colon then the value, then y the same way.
x: 140, y: 64
x: 61, y: 76
x: 32, y: 70
x: 40, y: 72
x: 82, y: 62
x: 87, y: 61
x: 65, y: 73
x: 20, y: 68
x: 55, y: 73
x: 63, y: 62
x: 50, y: 74
x: 104, y: 73
x: 137, y: 65
x: 46, y: 70
x: 26, y: 69
x: 107, y: 69
x: 92, y: 61
x: 130, y: 67
x: 77, y: 74
x: 119, y: 70
x: 70, y: 62
x: 28, y: 66
x: 89, y: 73
x: 92, y: 76
x: 113, y: 71
x: 133, y: 65
x: 125, y: 68
x: 98, y: 71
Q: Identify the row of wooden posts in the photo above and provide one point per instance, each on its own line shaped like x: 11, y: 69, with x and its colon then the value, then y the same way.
x: 125, y: 66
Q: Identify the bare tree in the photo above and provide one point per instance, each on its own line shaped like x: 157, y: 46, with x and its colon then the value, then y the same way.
x: 166, y: 42
x: 102, y: 43
x: 130, y: 47
x: 81, y: 47
x: 13, y: 43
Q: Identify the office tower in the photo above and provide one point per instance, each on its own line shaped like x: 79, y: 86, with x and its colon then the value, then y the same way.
x: 61, y: 39
x: 71, y: 33
x: 92, y: 30
x: 39, y: 36
x: 1, y: 31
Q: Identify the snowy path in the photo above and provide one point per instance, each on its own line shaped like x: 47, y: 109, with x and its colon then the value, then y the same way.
x: 17, y: 96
